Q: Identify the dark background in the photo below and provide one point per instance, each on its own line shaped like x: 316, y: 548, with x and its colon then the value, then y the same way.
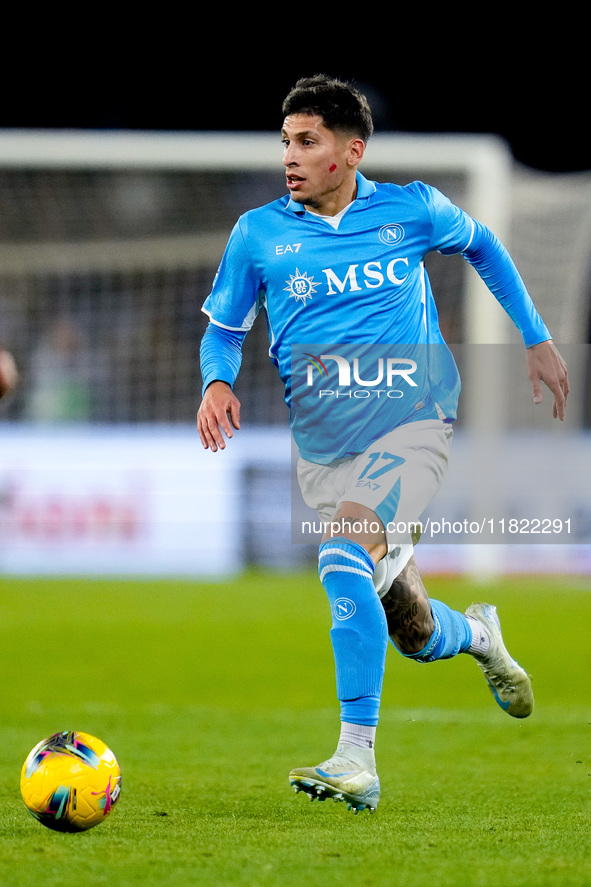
x: 185, y: 69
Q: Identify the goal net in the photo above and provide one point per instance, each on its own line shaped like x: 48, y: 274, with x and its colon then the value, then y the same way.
x: 110, y: 242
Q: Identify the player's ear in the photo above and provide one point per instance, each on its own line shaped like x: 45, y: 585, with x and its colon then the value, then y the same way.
x: 356, y: 151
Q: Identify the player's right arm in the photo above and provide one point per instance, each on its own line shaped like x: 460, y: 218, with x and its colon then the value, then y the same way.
x: 231, y: 307
x: 219, y: 413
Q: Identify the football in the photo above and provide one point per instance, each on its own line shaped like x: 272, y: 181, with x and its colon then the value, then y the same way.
x: 71, y: 781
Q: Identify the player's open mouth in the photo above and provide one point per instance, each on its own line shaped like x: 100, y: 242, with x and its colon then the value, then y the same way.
x: 293, y: 181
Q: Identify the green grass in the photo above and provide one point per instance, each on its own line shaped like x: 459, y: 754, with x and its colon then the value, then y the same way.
x: 210, y: 693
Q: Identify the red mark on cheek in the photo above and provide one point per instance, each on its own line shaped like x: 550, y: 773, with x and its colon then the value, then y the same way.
x: 333, y: 167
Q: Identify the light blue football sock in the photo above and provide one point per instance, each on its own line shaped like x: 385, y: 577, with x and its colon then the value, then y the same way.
x: 452, y: 635
x: 359, y: 632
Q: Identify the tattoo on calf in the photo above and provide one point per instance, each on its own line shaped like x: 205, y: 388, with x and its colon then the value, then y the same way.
x: 408, y: 611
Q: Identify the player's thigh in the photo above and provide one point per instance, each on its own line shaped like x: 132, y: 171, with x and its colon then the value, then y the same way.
x: 323, y: 486
x: 395, y: 478
x: 399, y: 475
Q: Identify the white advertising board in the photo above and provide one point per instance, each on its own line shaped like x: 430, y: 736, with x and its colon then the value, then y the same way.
x: 150, y: 501
x: 115, y: 501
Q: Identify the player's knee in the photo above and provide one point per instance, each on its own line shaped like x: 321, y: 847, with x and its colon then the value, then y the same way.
x: 360, y: 525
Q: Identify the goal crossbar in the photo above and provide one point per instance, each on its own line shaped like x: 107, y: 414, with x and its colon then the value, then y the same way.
x: 484, y: 161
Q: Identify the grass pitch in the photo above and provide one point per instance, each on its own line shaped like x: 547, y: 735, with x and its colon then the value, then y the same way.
x: 210, y: 693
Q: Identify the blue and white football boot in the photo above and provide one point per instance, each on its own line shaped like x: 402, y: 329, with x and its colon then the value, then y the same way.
x: 508, y: 682
x: 349, y: 775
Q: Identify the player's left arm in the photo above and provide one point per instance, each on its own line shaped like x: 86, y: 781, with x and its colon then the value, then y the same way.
x: 544, y: 362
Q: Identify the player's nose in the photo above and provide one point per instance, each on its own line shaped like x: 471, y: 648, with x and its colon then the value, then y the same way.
x: 290, y: 156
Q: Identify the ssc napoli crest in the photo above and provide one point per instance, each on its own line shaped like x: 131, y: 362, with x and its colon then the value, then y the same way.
x: 343, y: 608
x: 391, y: 234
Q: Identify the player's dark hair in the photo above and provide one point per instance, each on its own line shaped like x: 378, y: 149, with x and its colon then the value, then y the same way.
x: 340, y: 104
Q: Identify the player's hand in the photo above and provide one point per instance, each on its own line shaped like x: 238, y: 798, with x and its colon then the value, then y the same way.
x: 219, y: 415
x: 8, y: 372
x: 546, y: 364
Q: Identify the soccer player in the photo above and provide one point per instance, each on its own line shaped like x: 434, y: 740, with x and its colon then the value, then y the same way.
x: 340, y: 260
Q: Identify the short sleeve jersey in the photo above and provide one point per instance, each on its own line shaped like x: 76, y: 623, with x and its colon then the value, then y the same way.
x: 328, y: 291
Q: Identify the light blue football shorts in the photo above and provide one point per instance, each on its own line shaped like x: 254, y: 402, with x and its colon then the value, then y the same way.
x: 397, y: 477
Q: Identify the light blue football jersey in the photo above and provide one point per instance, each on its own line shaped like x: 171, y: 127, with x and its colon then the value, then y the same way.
x: 352, y: 320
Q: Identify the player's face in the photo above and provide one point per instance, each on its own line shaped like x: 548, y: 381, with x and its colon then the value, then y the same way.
x: 320, y: 164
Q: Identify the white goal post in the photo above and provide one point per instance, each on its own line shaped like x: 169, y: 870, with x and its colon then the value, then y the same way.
x: 484, y: 161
